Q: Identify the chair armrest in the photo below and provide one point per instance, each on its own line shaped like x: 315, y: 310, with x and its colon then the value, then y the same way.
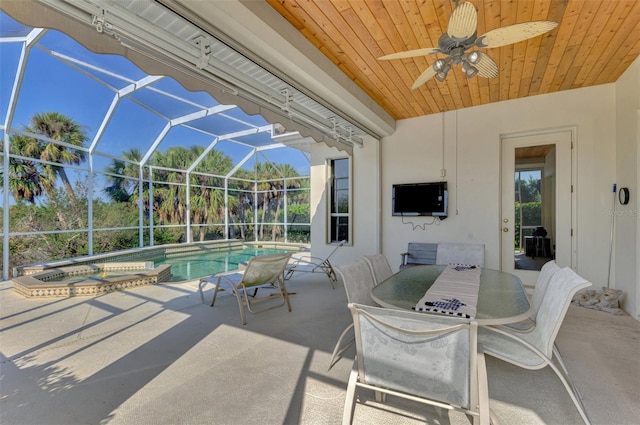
x: 226, y: 278
x: 224, y: 274
x: 403, y: 258
x: 315, y: 261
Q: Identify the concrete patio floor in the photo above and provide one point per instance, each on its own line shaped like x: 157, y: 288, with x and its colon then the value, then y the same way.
x: 158, y: 355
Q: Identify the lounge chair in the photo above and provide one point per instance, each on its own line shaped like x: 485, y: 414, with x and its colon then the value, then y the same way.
x: 265, y: 271
x: 309, y: 264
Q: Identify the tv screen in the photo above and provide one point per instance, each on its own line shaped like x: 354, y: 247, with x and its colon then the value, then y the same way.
x: 420, y: 199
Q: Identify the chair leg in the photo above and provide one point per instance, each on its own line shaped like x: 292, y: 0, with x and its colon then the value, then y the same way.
x: 570, y: 389
x: 283, y: 291
x: 575, y: 389
x: 349, y: 399
x: 483, y: 390
x: 200, y: 290
x: 331, y: 274
x: 215, y: 293
x: 288, y: 274
x: 339, y: 350
x: 556, y: 352
x: 241, y: 303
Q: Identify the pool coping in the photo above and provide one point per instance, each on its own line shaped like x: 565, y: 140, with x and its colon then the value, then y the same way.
x: 31, y: 280
x: 38, y: 285
x: 139, y: 254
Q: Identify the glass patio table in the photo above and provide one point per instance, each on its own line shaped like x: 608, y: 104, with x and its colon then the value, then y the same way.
x: 501, y: 297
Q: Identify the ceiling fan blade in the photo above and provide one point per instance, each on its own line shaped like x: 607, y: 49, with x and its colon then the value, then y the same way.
x: 514, y: 33
x: 428, y: 74
x: 411, y: 53
x: 463, y: 21
x: 486, y: 66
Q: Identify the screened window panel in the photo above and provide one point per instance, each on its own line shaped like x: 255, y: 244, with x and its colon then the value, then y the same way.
x: 39, y: 248
x: 111, y: 240
x: 271, y: 233
x: 122, y: 139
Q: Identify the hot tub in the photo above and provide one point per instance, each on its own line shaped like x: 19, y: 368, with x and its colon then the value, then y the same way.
x: 90, y: 279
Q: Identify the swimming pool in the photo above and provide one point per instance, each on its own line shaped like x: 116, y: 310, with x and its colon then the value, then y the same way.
x: 195, y: 265
x: 192, y: 260
x: 167, y: 263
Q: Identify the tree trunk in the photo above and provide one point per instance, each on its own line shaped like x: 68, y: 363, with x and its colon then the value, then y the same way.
x: 275, y: 227
x: 67, y: 185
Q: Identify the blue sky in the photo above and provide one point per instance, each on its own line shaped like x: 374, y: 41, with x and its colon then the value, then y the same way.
x: 50, y: 84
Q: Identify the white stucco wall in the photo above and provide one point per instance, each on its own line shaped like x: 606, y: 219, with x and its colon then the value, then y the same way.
x: 627, y: 235
x: 606, y: 151
x: 472, y: 163
x: 365, y: 182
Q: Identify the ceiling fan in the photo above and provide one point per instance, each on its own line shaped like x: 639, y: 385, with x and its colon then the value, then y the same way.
x: 461, y: 36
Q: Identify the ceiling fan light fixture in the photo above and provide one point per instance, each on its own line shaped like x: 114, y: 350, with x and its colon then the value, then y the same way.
x: 461, y: 35
x: 441, y: 75
x: 469, y: 70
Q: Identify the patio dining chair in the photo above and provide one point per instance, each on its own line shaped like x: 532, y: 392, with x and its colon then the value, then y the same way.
x: 310, y: 264
x: 460, y: 253
x: 358, y: 283
x: 380, y: 268
x: 548, y: 270
x: 535, y: 350
x: 262, y: 272
x: 421, y: 357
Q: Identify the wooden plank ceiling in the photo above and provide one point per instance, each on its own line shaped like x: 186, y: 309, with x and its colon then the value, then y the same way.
x: 594, y: 43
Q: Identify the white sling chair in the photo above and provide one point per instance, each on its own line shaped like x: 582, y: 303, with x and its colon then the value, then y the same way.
x: 460, y: 253
x: 264, y: 271
x: 535, y: 349
x: 421, y: 357
x: 547, y: 271
x: 380, y: 268
x: 310, y: 264
x: 358, y: 283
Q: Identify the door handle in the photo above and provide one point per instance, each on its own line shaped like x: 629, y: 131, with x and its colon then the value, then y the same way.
x: 505, y: 229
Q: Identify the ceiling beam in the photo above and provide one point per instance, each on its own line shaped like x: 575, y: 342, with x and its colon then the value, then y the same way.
x: 256, y: 30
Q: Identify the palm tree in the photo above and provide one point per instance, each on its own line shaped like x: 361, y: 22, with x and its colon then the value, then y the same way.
x: 170, y: 198
x: 262, y: 172
x: 124, y: 177
x: 26, y: 178
x: 241, y: 202
x: 207, y: 198
x: 30, y: 179
x: 59, y: 127
x: 286, y: 171
x: 271, y: 186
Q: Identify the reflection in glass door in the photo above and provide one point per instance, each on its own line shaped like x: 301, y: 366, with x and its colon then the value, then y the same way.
x: 534, y: 219
x: 548, y: 154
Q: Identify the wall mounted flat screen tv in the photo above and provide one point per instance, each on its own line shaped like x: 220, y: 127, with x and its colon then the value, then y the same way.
x: 420, y: 199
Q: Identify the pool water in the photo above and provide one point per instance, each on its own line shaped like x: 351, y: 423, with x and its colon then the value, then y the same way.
x: 196, y: 265
x: 93, y: 277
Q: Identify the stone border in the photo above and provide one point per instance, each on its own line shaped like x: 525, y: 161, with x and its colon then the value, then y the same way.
x: 38, y: 285
x: 136, y: 254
